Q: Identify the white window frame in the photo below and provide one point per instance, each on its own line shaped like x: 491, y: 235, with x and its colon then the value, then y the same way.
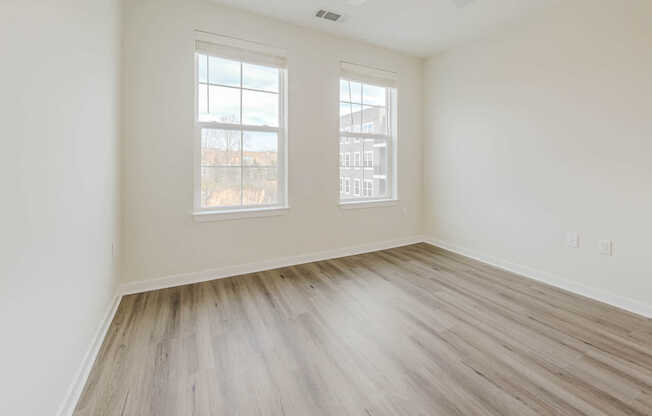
x: 347, y: 185
x: 370, y: 76
x: 240, y: 54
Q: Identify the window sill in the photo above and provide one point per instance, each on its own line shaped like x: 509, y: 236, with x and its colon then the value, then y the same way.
x: 369, y: 204
x: 217, y: 215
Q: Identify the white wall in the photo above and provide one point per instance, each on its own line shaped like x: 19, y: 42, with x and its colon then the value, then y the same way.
x: 545, y: 128
x: 160, y: 236
x: 59, y: 86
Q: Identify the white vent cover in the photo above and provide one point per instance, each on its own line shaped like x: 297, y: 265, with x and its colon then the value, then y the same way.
x: 325, y: 14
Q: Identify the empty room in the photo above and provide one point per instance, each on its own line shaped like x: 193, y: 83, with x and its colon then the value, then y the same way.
x: 326, y: 207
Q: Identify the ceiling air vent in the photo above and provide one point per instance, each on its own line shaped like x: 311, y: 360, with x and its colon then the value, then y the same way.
x: 325, y: 14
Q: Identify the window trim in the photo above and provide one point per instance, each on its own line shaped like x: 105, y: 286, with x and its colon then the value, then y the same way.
x: 369, y: 203
x: 202, y: 214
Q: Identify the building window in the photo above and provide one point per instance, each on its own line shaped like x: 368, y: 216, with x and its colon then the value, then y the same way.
x: 347, y: 185
x: 240, y: 118
x: 356, y: 187
x: 356, y: 160
x: 368, y: 130
x: 341, y: 184
x: 368, y: 159
x: 368, y: 187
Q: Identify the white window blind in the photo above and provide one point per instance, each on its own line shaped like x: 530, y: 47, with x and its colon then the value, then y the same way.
x: 238, y: 54
x: 368, y: 74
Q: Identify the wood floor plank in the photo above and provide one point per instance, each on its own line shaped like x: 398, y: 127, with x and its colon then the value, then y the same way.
x: 415, y: 330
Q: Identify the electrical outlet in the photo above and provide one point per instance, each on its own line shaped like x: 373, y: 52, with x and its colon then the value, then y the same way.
x: 606, y: 247
x: 572, y: 239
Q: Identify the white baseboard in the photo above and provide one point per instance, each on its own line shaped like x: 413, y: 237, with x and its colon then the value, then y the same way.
x: 75, y: 389
x: 222, y: 272
x: 600, y: 295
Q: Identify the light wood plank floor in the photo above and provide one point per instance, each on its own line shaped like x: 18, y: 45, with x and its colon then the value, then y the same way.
x: 409, y: 331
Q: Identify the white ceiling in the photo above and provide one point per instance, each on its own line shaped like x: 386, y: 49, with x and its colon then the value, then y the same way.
x: 418, y: 27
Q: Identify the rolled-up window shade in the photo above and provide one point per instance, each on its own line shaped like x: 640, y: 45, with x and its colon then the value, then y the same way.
x: 238, y: 54
x: 368, y: 75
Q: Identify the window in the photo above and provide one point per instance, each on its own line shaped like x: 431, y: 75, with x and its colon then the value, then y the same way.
x: 368, y: 187
x: 356, y: 187
x: 240, y: 115
x: 368, y: 159
x: 341, y: 184
x: 347, y: 185
x: 368, y: 130
x: 356, y: 160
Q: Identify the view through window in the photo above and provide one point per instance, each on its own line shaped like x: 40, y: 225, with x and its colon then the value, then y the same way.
x: 240, y: 118
x: 365, y: 141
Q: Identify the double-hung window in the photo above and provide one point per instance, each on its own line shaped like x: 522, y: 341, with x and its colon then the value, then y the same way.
x: 368, y: 121
x: 241, y: 130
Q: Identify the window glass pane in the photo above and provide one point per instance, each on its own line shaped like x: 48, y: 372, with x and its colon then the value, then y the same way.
x: 350, y: 91
x: 260, y: 77
x: 374, y: 120
x: 260, y: 148
x: 202, y: 68
x: 202, y: 104
x: 220, y: 186
x: 223, y: 72
x: 224, y: 105
x: 350, y: 117
x: 259, y: 108
x: 374, y: 95
x: 220, y: 147
x: 260, y: 186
